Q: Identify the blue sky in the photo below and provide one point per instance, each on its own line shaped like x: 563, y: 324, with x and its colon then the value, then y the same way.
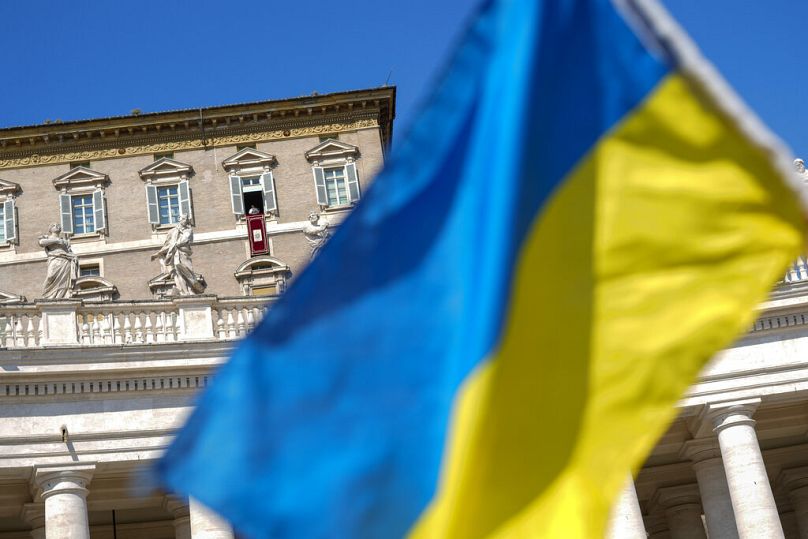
x: 85, y: 59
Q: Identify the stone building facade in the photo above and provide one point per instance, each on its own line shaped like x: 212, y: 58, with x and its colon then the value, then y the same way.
x: 734, y: 463
x: 108, y: 178
x: 93, y: 386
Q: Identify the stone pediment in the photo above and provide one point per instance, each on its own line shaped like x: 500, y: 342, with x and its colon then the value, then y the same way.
x: 9, y: 188
x: 7, y: 298
x: 332, y: 149
x: 94, y: 288
x: 80, y: 177
x: 260, y: 265
x: 248, y: 158
x: 166, y: 168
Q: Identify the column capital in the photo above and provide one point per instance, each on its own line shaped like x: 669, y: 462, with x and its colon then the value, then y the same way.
x: 698, y: 450
x: 671, y: 498
x: 50, y: 479
x: 726, y: 414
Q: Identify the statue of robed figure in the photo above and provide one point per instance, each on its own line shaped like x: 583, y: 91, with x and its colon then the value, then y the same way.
x: 63, y: 265
x: 175, y: 257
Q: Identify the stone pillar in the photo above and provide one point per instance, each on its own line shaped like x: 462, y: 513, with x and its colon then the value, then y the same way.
x: 34, y: 514
x: 682, y: 510
x: 626, y: 518
x: 713, y: 489
x: 64, y: 491
x: 205, y: 524
x: 795, y: 482
x: 59, y: 325
x: 182, y: 518
x: 195, y: 320
x: 756, y: 513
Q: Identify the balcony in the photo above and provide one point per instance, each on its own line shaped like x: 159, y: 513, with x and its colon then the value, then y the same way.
x: 73, y: 322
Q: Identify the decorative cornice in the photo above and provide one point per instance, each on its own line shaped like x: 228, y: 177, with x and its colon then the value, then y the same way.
x: 194, y: 379
x: 104, y: 138
x: 36, y: 159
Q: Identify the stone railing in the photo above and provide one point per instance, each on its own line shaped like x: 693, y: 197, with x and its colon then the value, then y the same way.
x: 75, y: 322
x: 798, y: 272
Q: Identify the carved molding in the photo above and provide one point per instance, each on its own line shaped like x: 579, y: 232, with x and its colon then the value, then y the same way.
x: 216, y: 141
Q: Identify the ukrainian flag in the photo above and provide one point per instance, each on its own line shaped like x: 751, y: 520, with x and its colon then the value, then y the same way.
x: 582, y: 215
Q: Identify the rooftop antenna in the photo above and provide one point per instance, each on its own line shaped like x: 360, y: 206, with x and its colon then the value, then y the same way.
x: 390, y: 74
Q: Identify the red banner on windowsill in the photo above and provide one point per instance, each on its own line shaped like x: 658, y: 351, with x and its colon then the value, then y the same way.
x: 257, y: 234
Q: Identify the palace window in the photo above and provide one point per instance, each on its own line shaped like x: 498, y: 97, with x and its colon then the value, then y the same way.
x: 81, y: 201
x: 82, y: 211
x: 89, y: 269
x: 8, y: 216
x: 336, y: 182
x: 252, y: 186
x: 168, y: 204
x: 168, y: 195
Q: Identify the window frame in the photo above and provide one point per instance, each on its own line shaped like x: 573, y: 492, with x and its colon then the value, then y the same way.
x: 246, y: 163
x: 80, y: 182
x: 167, y: 172
x: 350, y: 177
x: 333, y: 153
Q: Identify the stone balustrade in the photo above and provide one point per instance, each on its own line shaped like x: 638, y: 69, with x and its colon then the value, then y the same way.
x: 798, y: 271
x: 75, y: 322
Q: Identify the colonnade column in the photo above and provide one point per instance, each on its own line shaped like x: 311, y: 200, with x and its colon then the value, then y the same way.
x: 682, y: 510
x: 64, y: 491
x: 205, y: 524
x: 713, y: 490
x: 795, y: 482
x: 753, y: 504
x: 626, y: 518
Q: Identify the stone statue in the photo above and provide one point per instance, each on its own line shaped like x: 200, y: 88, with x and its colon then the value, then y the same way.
x: 175, y: 257
x: 63, y: 265
x: 316, y: 234
x: 799, y: 165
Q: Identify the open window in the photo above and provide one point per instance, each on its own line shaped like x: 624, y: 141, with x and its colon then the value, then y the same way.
x: 82, y: 209
x: 252, y: 186
x: 336, y: 181
x: 168, y: 193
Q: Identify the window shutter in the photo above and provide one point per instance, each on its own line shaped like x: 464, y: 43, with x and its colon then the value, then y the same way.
x: 353, y: 182
x: 10, y: 220
x: 270, y: 202
x: 151, y: 204
x: 98, y: 210
x: 185, y: 199
x: 67, y: 214
x: 236, y: 200
x: 319, y: 183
